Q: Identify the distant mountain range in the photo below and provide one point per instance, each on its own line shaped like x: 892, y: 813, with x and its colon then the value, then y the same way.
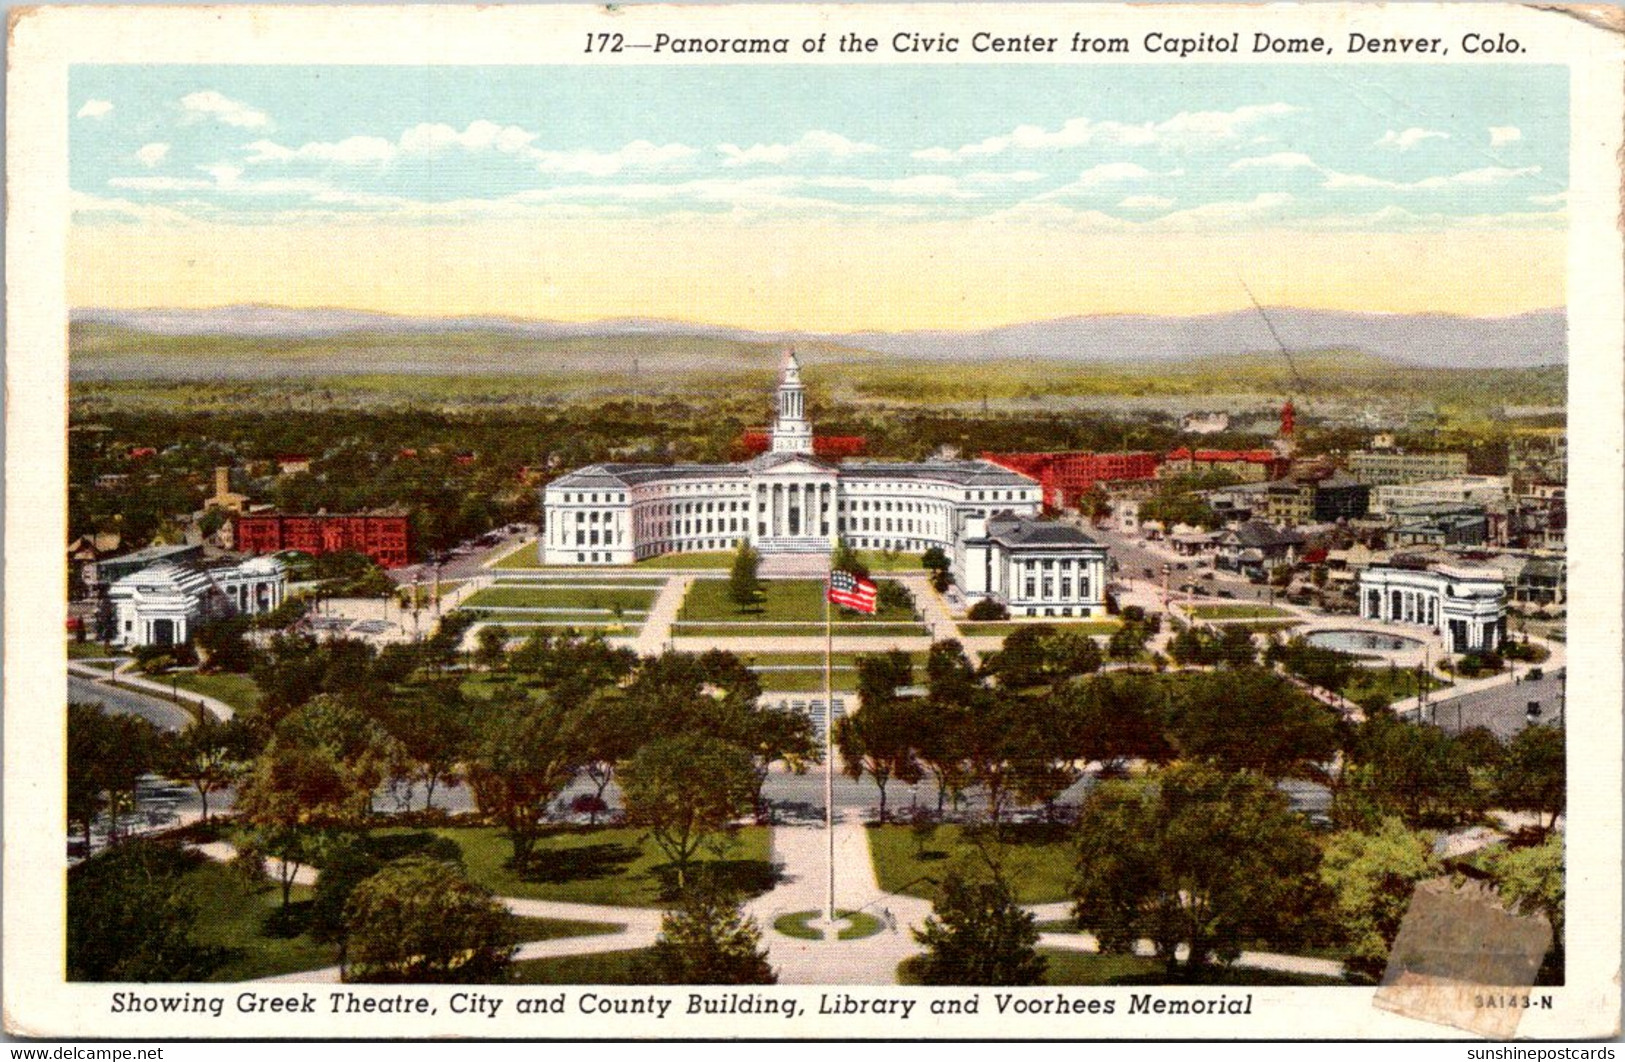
x: 1442, y: 340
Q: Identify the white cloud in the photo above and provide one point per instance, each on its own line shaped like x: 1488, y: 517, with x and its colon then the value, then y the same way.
x: 351, y: 151
x: 1146, y: 202
x: 1183, y: 130
x: 432, y: 137
x: 1105, y: 176
x: 1280, y: 160
x: 927, y: 186
x: 1555, y: 199
x: 211, y: 104
x: 227, y: 178
x: 639, y: 154
x: 162, y: 184
x: 1227, y: 213
x: 1484, y: 176
x: 95, y: 109
x: 151, y: 155
x: 1112, y: 173
x: 989, y: 178
x: 814, y: 144
x: 1409, y: 138
x: 1504, y: 134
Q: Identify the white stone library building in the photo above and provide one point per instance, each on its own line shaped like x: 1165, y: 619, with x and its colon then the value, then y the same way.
x: 790, y: 501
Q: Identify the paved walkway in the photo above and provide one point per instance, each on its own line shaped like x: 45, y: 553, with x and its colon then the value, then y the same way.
x: 127, y: 677
x: 656, y: 631
x: 935, y: 610
x: 803, y: 853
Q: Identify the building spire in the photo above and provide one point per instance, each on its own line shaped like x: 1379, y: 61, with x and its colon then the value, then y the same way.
x: 792, y: 434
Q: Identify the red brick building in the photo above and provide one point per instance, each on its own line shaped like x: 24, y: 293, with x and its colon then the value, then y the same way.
x: 1066, y: 477
x: 381, y: 535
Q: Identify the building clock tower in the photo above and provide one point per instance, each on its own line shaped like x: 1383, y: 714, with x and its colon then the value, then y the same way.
x: 792, y: 434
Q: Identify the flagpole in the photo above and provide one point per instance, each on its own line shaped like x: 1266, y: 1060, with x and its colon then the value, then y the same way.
x: 829, y: 748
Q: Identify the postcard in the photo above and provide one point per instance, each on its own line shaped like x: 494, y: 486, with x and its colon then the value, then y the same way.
x: 814, y: 521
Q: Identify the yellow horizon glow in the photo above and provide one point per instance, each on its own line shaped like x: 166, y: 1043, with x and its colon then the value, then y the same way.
x: 828, y: 276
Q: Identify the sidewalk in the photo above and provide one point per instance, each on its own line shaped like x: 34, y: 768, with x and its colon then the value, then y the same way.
x: 656, y: 631
x: 803, y: 852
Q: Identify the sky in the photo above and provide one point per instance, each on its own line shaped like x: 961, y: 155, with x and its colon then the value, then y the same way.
x: 821, y: 198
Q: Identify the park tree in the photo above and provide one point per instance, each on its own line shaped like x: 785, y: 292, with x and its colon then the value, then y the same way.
x: 1248, y: 718
x: 1533, y: 879
x: 222, y: 645
x: 131, y: 917
x: 686, y: 791
x: 1021, y: 662
x: 209, y: 755
x: 1236, y: 647
x: 491, y: 647
x: 744, y: 586
x: 1417, y: 772
x: 1371, y: 876
x: 845, y: 559
x: 1533, y: 774
x: 432, y: 725
x: 107, y: 755
x: 293, y: 802
x: 978, y: 935
x: 706, y: 939
x: 526, y: 751
x: 935, y: 560
x: 1116, y: 717
x: 1128, y: 641
x: 1197, y: 857
x: 420, y: 921
x: 878, y: 739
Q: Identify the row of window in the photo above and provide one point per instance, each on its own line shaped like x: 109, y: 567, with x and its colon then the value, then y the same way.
x: 1031, y: 588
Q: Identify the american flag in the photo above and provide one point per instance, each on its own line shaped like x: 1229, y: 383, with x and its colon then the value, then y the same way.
x: 849, y: 591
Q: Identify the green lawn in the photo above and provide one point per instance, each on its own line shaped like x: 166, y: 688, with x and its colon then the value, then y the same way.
x: 807, y: 680
x: 1391, y: 684
x: 521, y: 623
x: 877, y: 561
x: 1265, y: 626
x: 235, y: 917
x: 782, y: 601
x: 1005, y: 628
x: 798, y: 630
x: 600, y: 968
x: 571, y: 597
x: 608, y: 865
x: 526, y: 930
x: 78, y: 650
x: 523, y: 557
x: 239, y: 691
x: 723, y: 560
x: 1224, y: 612
x: 1037, y: 860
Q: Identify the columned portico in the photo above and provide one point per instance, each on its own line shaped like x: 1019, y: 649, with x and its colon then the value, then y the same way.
x: 1465, y: 605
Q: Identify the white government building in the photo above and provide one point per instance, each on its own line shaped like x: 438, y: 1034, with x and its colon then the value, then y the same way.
x: 790, y: 501
x: 1467, y: 606
x: 163, y: 604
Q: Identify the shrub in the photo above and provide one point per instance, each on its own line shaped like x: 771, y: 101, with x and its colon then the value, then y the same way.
x: 988, y: 609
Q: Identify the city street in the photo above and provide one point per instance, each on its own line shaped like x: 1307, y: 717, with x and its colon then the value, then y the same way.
x: 1502, y: 708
